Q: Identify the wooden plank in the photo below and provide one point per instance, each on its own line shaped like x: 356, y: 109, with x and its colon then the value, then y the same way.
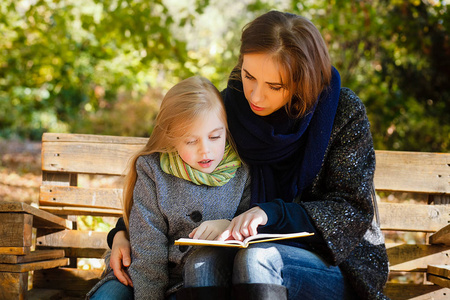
x: 45, y: 294
x: 439, y: 270
x: 441, y: 237
x: 443, y: 282
x: 33, y: 256
x: 399, y: 291
x: 31, y: 266
x: 93, y: 155
x: 41, y: 219
x: 410, y: 258
x: 15, y: 229
x: 59, y: 179
x: 419, y: 172
x: 74, y: 239
x: 79, y: 282
x: 82, y: 211
x: 15, y: 250
x: 85, y: 252
x: 51, y: 195
x: 93, y: 138
x: 13, y: 285
x: 413, y: 217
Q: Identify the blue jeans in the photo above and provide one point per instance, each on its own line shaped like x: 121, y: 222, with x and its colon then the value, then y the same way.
x: 305, y: 274
x: 113, y: 290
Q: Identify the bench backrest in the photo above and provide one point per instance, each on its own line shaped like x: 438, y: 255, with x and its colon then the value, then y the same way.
x: 65, y: 157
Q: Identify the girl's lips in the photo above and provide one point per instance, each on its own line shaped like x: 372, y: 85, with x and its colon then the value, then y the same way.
x: 205, y: 163
x: 256, y: 108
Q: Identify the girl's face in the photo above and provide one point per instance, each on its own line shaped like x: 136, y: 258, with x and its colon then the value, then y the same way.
x: 204, y: 145
x: 263, y: 84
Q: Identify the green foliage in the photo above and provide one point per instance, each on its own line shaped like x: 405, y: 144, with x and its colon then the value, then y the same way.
x: 96, y: 66
x: 56, y: 55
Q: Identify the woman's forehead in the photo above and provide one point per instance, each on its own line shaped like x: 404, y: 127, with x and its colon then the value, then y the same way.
x: 264, y: 67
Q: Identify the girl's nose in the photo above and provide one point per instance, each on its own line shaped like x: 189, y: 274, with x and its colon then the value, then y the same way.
x: 204, y: 147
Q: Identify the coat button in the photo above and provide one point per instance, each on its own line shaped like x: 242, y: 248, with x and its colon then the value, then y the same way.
x: 183, y: 248
x: 196, y: 216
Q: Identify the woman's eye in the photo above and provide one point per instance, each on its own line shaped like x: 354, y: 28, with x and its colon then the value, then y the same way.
x: 275, y: 88
x: 248, y: 77
x: 190, y: 142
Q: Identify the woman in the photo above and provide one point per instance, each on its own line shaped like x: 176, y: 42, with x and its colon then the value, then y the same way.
x: 310, y: 151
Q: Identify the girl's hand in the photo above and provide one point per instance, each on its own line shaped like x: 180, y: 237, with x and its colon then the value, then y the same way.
x: 209, y: 230
x: 120, y: 257
x: 244, y: 225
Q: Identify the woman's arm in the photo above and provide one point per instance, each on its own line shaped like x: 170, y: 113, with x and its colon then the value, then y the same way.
x: 120, y: 258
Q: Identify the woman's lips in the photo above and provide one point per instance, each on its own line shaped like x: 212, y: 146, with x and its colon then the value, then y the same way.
x: 256, y: 108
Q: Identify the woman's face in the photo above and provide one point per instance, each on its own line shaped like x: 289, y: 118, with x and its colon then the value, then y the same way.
x: 264, y: 84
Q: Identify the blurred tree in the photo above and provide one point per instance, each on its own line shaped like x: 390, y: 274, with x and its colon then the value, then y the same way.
x: 396, y: 56
x: 81, y: 65
x: 63, y: 60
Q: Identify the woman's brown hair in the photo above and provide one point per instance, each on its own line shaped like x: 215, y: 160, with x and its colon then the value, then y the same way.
x: 297, y: 46
x: 184, y: 103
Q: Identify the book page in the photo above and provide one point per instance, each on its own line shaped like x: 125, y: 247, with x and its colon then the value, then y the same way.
x: 259, y: 238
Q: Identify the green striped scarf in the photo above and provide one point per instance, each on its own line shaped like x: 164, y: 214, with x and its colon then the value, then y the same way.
x: 171, y: 163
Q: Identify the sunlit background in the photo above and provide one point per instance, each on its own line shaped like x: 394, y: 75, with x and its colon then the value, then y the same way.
x: 103, y: 66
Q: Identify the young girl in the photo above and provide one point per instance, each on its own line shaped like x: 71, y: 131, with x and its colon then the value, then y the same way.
x: 187, y: 181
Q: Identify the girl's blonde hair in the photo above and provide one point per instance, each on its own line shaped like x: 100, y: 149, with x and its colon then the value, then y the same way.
x: 183, y: 104
x: 298, y: 48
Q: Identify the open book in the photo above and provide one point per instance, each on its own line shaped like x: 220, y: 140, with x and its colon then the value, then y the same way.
x: 259, y: 238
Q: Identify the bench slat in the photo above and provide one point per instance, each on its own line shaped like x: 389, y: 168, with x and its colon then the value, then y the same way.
x: 411, y: 258
x: 413, y: 217
x: 442, y: 236
x: 32, y: 266
x: 399, y: 291
x: 82, y: 211
x: 74, y: 282
x: 74, y: 239
x: 412, y: 172
x: 33, y: 256
x: 51, y: 195
x: 444, y: 282
x: 88, y: 158
x: 92, y: 138
x: 41, y: 219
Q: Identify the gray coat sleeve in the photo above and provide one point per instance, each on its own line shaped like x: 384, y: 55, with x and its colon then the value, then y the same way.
x: 148, y: 237
x: 340, y: 202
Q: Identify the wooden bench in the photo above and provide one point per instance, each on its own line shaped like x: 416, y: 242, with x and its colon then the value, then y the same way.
x: 47, y: 241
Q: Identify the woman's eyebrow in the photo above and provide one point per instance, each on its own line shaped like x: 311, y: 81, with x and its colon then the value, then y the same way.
x: 269, y: 83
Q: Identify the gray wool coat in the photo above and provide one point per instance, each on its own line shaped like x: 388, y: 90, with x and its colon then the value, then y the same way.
x: 166, y: 208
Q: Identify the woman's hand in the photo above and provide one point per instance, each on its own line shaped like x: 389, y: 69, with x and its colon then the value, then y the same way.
x: 209, y: 230
x: 120, y: 257
x: 244, y: 225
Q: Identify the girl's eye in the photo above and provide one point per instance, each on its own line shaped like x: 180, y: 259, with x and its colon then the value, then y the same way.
x: 215, y: 137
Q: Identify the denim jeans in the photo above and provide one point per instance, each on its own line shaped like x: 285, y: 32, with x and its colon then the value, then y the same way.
x: 113, y: 290
x: 305, y: 274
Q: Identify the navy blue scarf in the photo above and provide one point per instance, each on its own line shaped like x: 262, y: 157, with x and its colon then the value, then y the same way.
x: 284, y: 154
